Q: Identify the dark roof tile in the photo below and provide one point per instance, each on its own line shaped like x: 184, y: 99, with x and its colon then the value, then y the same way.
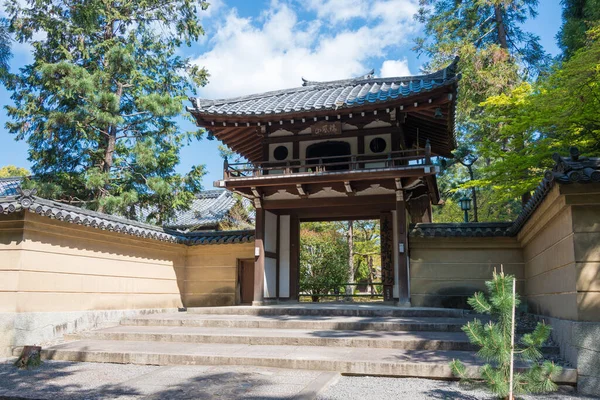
x: 345, y: 93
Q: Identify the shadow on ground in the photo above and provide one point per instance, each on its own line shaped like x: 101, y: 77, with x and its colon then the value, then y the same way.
x: 71, y: 381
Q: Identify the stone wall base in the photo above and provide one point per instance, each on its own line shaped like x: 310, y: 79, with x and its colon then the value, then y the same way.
x: 580, y: 346
x: 37, y: 328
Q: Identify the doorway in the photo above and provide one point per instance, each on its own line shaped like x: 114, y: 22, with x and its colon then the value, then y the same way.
x: 246, y: 281
x: 330, y: 149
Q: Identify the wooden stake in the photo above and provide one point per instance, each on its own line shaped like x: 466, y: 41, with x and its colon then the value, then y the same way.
x: 512, y: 339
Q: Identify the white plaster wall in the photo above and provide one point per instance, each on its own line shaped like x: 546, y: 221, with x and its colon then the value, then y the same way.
x: 270, y: 277
x: 388, y: 148
x: 281, y: 132
x: 272, y: 148
x: 270, y: 231
x: 388, y: 141
x: 284, y: 256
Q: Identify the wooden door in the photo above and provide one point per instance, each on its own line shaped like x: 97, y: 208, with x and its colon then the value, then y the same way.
x: 247, y: 281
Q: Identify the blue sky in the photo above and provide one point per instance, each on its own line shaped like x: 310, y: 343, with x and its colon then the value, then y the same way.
x: 257, y: 45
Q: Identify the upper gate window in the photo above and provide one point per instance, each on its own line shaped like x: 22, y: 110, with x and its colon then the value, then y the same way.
x: 378, y: 145
x: 280, y: 153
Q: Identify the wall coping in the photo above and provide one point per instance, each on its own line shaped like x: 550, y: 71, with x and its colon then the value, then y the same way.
x: 566, y: 171
x: 26, y: 200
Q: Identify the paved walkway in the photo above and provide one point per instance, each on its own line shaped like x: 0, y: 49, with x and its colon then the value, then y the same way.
x: 87, y: 381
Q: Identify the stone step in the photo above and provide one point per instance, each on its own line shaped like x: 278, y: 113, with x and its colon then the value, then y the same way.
x: 417, y: 340
x: 364, y: 361
x: 284, y: 337
x: 300, y: 322
x: 334, y: 309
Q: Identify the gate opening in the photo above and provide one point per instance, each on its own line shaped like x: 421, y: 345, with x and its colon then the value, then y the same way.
x: 340, y: 261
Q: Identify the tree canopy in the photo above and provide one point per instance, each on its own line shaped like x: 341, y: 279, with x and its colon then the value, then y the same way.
x: 10, y: 171
x: 98, y: 103
x: 496, y: 55
x: 548, y: 116
x: 578, y: 17
x: 5, y: 53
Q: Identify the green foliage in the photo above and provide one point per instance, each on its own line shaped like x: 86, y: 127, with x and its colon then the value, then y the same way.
x: 578, y: 17
x: 10, y: 171
x: 5, y: 53
x: 240, y: 215
x: 536, y: 120
x: 496, y: 55
x: 367, y: 251
x: 494, y: 342
x: 98, y: 103
x: 323, y: 258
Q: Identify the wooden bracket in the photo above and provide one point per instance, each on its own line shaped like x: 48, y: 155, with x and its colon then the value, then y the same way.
x: 349, y: 190
x: 398, y: 184
x: 301, y: 191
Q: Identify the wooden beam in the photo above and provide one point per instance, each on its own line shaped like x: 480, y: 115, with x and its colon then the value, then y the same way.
x: 294, y: 257
x: 345, y: 134
x: 402, y: 252
x: 334, y: 202
x: 283, y: 180
x: 259, y: 260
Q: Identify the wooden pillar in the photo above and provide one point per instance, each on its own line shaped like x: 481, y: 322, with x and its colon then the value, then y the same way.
x: 294, y: 258
x: 387, y: 261
x: 259, y: 257
x: 402, y: 251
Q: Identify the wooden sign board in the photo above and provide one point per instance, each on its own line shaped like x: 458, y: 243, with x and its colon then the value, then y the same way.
x: 325, y: 128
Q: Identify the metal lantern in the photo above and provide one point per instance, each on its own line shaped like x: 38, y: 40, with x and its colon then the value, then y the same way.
x: 465, y: 205
x: 438, y: 113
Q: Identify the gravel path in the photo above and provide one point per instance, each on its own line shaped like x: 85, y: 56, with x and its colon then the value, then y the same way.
x: 59, y: 380
x: 361, y: 388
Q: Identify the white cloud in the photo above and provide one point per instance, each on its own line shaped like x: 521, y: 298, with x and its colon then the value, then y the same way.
x: 274, y: 51
x: 394, y: 68
x: 338, y: 10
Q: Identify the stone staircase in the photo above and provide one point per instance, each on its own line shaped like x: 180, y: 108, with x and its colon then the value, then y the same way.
x: 349, y: 339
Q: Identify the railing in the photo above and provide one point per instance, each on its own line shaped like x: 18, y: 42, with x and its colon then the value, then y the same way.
x: 374, y: 291
x: 420, y: 156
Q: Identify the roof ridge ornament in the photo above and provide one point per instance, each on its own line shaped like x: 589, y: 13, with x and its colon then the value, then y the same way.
x: 25, y: 196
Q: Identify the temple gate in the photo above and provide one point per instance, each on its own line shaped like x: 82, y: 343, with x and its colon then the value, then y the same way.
x: 362, y: 148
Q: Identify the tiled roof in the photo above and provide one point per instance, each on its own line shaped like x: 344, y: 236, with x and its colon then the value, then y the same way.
x: 8, y: 186
x: 328, y: 95
x: 471, y: 229
x: 574, y: 169
x: 220, y: 237
x: 25, y: 200
x: 206, y: 211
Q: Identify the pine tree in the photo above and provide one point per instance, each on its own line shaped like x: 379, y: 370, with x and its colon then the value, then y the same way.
x: 495, y: 340
x: 98, y: 103
x: 578, y: 17
x: 5, y: 53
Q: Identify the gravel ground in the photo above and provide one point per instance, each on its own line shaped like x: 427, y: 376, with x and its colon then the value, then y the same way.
x: 63, y: 380
x: 361, y: 388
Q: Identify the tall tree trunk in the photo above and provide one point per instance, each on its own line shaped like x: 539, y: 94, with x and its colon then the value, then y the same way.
x: 350, y: 288
x: 111, y: 139
x: 500, y: 27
